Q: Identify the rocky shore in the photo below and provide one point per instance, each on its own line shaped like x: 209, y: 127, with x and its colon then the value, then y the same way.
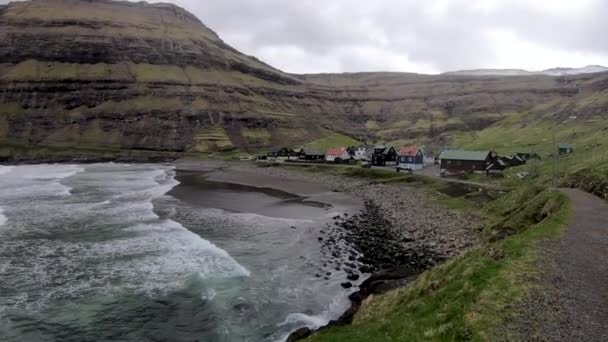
x: 398, y: 233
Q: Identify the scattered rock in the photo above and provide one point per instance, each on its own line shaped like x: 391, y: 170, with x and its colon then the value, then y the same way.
x: 352, y: 276
x: 299, y: 334
x: 347, y: 285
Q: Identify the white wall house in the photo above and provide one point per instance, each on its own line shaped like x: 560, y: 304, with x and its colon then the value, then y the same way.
x: 361, y: 152
x: 336, y: 153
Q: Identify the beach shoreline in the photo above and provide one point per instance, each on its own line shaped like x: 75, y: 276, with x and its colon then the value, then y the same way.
x: 396, y: 233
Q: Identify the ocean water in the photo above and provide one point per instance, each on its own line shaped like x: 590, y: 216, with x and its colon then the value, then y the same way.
x: 126, y: 253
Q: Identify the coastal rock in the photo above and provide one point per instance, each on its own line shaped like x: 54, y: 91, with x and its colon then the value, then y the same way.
x: 352, y: 277
x: 299, y: 334
x: 347, y: 285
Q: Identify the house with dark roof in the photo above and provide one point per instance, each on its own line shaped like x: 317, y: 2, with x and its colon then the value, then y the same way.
x: 311, y: 154
x: 513, y: 160
x: 565, y: 148
x: 497, y: 166
x: 281, y: 153
x: 384, y: 156
x: 455, y: 161
x: 411, y: 158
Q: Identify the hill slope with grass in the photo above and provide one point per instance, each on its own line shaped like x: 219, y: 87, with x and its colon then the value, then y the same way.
x: 107, y: 76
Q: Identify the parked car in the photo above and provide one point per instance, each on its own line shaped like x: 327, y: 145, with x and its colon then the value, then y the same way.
x: 366, y: 165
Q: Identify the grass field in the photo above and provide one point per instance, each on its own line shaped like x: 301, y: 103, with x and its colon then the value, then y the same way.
x: 332, y: 140
x: 468, y: 298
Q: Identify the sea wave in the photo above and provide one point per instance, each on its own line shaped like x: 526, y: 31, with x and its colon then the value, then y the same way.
x: 5, y: 169
x: 313, y: 322
x: 37, y: 180
x: 3, y: 218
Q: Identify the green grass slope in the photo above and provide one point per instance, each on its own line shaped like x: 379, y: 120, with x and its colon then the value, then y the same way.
x: 469, y: 298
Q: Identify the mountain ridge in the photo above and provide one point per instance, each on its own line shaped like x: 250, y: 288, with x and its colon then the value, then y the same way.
x: 559, y: 71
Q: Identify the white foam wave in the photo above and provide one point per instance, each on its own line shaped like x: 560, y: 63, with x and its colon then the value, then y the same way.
x: 176, y: 251
x: 5, y: 169
x: 209, y: 295
x: 3, y: 218
x: 313, y: 322
x: 252, y: 218
x: 36, y: 180
x: 335, y: 308
x: 141, y: 252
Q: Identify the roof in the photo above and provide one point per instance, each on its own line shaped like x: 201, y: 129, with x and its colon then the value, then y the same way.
x: 563, y: 145
x: 409, y: 151
x: 464, y: 155
x: 277, y: 149
x: 336, y: 151
x: 498, y: 164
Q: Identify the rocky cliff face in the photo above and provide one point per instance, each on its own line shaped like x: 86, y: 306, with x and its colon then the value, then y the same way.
x: 137, y: 76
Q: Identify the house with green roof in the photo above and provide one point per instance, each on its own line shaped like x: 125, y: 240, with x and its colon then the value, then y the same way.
x: 455, y: 161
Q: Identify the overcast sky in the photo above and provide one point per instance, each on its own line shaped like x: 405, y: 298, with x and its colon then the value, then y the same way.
x: 411, y: 35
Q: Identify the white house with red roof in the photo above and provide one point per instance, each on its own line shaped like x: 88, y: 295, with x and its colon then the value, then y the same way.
x: 337, y: 153
x: 413, y: 158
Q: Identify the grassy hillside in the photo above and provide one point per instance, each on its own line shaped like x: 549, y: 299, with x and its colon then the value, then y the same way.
x: 471, y: 297
x: 332, y: 140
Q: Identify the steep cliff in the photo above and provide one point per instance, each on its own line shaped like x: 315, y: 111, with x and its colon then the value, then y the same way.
x: 137, y: 76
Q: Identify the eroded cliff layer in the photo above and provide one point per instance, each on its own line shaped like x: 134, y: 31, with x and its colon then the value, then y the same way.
x: 122, y: 75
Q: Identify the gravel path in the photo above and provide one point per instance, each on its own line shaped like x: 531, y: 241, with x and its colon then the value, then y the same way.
x: 581, y: 277
x: 571, y: 303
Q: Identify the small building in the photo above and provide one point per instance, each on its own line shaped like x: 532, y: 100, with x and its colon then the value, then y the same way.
x: 339, y: 153
x: 360, y: 152
x: 312, y: 155
x: 565, y: 148
x: 384, y: 156
x: 411, y: 158
x: 279, y: 153
x: 496, y: 166
x: 455, y: 161
x: 512, y: 160
x: 294, y: 154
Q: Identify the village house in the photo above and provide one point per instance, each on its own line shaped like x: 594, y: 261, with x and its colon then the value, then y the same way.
x: 360, y: 152
x: 455, y: 161
x: 565, y: 148
x: 294, y: 154
x: 411, y: 158
x: 337, y: 154
x: 311, y: 155
x: 279, y: 153
x: 498, y: 166
x: 384, y: 156
x: 513, y: 160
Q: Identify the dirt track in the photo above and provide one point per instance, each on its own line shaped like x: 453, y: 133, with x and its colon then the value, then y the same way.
x: 580, y: 279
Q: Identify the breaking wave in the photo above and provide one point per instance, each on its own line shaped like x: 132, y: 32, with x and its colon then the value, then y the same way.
x: 92, y: 229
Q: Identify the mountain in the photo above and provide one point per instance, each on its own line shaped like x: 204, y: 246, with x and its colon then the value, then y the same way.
x: 110, y: 76
x: 590, y: 69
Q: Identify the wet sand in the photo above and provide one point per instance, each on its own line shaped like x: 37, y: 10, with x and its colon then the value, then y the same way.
x: 292, y: 188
